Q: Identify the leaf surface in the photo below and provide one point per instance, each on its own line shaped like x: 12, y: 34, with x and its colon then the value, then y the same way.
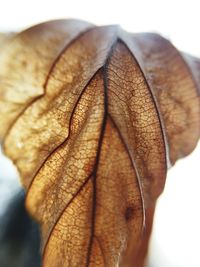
x: 93, y: 117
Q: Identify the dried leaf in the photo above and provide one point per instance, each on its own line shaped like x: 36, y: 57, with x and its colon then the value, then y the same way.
x: 92, y: 117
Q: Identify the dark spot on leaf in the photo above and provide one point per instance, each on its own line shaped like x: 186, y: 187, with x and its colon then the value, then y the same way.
x: 129, y: 213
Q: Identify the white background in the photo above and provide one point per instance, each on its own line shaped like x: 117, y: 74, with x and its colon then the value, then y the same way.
x: 176, y: 235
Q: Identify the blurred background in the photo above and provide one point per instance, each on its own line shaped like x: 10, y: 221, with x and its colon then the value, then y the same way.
x: 176, y: 234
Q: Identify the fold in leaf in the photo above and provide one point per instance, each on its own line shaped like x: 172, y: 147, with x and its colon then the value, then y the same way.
x: 174, y: 88
x: 92, y: 117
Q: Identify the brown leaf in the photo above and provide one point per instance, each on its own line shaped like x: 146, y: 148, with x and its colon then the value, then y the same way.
x: 92, y: 118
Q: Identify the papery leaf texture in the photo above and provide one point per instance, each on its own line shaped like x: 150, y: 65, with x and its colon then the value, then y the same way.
x: 93, y: 117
